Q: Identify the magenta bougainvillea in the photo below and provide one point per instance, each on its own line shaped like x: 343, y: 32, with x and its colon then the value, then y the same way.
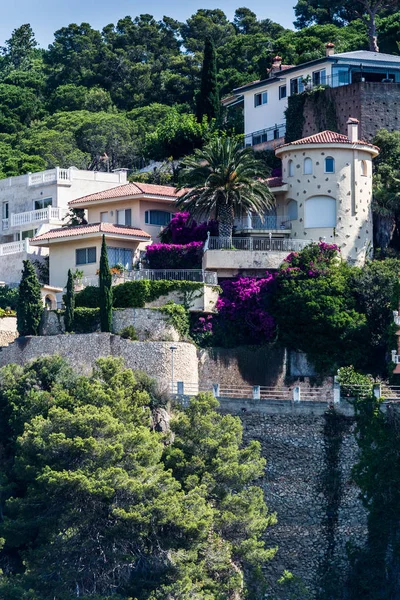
x: 184, y: 230
x: 312, y: 261
x: 174, y: 256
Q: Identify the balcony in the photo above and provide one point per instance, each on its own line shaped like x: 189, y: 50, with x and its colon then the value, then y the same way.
x: 266, y: 223
x: 15, y: 248
x: 230, y: 256
x: 56, y: 175
x: 51, y: 214
x: 196, y: 275
x: 267, y: 137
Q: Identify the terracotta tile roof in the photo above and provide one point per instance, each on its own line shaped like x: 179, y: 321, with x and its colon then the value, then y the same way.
x: 65, y: 232
x: 327, y: 137
x: 131, y: 189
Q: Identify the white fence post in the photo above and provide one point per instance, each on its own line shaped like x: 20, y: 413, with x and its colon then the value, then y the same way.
x: 256, y: 392
x: 377, y: 390
x: 215, y: 390
x: 336, y: 390
x: 296, y: 394
x: 180, y: 388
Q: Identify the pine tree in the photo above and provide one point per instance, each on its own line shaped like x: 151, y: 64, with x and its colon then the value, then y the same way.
x: 69, y: 303
x: 105, y: 281
x: 30, y: 306
x: 208, y: 103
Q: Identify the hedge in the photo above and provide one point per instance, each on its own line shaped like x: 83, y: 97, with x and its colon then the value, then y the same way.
x: 135, y: 294
x: 86, y: 320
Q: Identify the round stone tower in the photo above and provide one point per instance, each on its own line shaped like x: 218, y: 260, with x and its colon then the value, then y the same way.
x: 329, y: 195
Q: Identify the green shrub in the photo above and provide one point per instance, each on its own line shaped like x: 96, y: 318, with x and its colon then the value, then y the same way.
x: 8, y: 297
x: 89, y: 297
x: 178, y: 317
x: 86, y: 320
x: 129, y: 333
x: 7, y: 313
x: 135, y: 294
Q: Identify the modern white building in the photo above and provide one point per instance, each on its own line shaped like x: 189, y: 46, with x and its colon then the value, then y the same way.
x: 36, y: 202
x: 265, y: 101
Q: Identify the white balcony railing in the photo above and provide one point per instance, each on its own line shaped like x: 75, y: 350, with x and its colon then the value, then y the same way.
x: 14, y: 248
x: 51, y: 176
x: 256, y: 244
x: 50, y: 214
x: 265, y: 223
x: 197, y: 275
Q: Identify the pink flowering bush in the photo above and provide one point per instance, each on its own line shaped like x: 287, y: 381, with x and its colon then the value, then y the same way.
x: 242, y: 317
x: 183, y: 230
x: 314, y: 260
x: 174, y: 256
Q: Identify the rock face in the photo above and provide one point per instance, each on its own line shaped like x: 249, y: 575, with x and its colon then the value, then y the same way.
x: 308, y: 484
x: 8, y: 330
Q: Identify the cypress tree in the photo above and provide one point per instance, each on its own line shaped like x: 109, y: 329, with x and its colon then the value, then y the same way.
x: 208, y: 99
x: 105, y: 284
x: 29, y: 305
x: 69, y: 303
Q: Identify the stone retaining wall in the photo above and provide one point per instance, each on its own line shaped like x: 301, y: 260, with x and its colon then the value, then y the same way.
x: 8, y: 330
x: 296, y: 443
x: 82, y: 350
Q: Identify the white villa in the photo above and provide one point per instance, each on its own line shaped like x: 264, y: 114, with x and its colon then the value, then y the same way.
x: 265, y: 101
x: 37, y: 202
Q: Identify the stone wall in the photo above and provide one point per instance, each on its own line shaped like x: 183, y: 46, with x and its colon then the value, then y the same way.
x: 150, y: 325
x: 308, y: 484
x: 82, y: 350
x: 375, y: 105
x: 8, y: 330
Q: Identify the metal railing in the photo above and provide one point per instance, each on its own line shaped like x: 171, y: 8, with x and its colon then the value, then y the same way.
x: 50, y: 213
x: 257, y: 244
x: 269, y: 134
x: 265, y: 223
x: 14, y: 247
x: 195, y: 275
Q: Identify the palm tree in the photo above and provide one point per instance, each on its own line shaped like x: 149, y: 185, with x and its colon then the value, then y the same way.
x: 224, y: 180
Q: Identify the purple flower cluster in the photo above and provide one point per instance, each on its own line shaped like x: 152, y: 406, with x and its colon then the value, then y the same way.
x: 204, y: 325
x: 174, y: 256
x: 313, y: 261
x: 184, y: 230
x: 242, y: 306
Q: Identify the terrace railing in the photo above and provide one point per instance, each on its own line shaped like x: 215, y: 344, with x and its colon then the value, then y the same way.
x: 256, y: 244
x: 14, y: 248
x: 49, y: 214
x: 196, y: 275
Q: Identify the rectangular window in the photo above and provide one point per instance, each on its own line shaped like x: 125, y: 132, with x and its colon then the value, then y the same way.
x: 120, y: 256
x: 157, y: 217
x: 319, y: 77
x: 27, y: 235
x: 282, y: 92
x: 260, y: 99
x: 5, y: 210
x: 104, y: 217
x: 85, y: 256
x: 294, y: 86
x: 42, y: 203
x: 124, y: 217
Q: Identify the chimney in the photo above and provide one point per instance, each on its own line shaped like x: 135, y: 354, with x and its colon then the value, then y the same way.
x: 352, y: 129
x: 276, y: 65
x: 330, y: 49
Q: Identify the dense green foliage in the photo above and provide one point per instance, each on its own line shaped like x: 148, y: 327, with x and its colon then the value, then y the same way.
x: 107, y: 99
x: 86, y: 320
x: 178, y: 317
x: 105, y: 289
x: 135, y: 294
x: 29, y: 305
x: 69, y: 302
x: 156, y: 508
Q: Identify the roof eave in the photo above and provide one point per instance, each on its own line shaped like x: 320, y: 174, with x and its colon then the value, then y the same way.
x: 374, y: 150
x: 83, y: 203
x: 84, y: 236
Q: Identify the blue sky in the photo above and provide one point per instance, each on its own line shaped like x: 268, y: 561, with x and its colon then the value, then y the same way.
x: 46, y: 16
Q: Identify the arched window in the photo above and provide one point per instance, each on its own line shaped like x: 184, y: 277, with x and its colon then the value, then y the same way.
x: 364, y: 168
x: 307, y: 166
x: 320, y: 211
x: 290, y: 168
x: 292, y: 211
x: 329, y: 164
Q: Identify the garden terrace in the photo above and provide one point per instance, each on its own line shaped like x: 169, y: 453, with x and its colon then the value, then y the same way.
x: 194, y: 275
